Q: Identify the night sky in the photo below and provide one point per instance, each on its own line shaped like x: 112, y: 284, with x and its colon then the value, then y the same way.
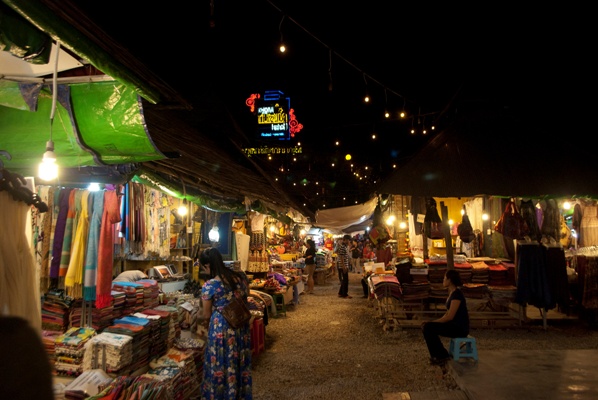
x: 432, y: 60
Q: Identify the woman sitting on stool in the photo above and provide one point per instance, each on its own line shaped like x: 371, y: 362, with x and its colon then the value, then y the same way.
x: 454, y: 323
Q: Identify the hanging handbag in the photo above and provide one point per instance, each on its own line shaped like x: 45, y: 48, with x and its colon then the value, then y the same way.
x: 236, y: 313
x: 511, y: 224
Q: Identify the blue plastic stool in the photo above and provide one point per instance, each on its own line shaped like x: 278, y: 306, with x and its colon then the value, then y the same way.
x: 463, y: 348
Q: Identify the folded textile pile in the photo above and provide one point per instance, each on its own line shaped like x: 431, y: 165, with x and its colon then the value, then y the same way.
x: 69, y: 349
x: 110, y: 352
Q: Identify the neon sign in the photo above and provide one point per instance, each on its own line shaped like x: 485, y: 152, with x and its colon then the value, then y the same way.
x: 275, y: 117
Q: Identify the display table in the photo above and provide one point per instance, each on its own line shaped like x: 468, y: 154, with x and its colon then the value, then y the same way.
x: 323, y: 273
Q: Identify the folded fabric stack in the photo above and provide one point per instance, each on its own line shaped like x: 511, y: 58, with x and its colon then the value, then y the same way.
x: 480, y: 272
x: 70, y: 349
x: 178, y: 368
x: 465, y: 271
x: 497, y: 275
x: 386, y: 286
x: 133, y: 296
x: 49, y: 341
x: 118, y: 303
x: 110, y: 352
x: 56, y: 309
x: 139, y: 329
x: 100, y: 318
x: 151, y: 291
x: 415, y: 290
x: 164, y: 332
x: 503, y: 295
x: 156, y: 349
x: 475, y: 290
x: 174, y: 327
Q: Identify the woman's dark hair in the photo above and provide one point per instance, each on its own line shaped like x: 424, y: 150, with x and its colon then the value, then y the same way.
x: 453, y: 276
x: 229, y: 276
x: 310, y: 242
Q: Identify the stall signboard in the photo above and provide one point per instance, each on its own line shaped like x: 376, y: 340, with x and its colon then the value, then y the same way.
x: 275, y: 118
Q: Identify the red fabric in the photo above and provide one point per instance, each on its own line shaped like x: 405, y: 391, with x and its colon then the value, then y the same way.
x: 110, y: 216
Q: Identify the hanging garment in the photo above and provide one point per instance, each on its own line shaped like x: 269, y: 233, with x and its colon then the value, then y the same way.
x: 528, y: 213
x: 96, y: 209
x: 74, y: 276
x: 59, y: 231
x: 68, y: 239
x: 110, y: 217
x: 588, y: 228
x: 19, y: 290
x: 551, y: 224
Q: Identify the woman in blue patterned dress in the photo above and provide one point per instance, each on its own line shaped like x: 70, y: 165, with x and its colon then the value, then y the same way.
x: 227, y: 357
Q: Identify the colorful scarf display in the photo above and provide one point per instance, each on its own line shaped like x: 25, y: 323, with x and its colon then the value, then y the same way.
x: 74, y: 276
x: 110, y: 217
x: 95, y: 210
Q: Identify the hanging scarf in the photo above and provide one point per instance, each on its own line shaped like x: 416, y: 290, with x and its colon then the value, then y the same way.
x: 96, y: 209
x: 45, y: 238
x: 68, y: 239
x: 110, y: 217
x: 63, y: 207
x: 74, y: 276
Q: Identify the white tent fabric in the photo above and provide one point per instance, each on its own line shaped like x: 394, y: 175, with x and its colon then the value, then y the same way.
x: 344, y: 217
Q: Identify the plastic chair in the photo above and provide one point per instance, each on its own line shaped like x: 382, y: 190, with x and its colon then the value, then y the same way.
x: 463, y: 348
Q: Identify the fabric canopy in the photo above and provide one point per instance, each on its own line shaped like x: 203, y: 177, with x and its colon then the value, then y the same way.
x: 343, y: 217
x: 94, y: 124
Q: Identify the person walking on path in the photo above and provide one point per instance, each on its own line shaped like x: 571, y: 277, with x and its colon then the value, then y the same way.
x: 310, y: 264
x: 343, y: 264
x: 227, y: 357
x: 454, y: 323
x: 355, y: 257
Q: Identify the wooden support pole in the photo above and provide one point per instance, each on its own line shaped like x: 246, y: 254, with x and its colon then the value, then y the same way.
x: 448, y: 240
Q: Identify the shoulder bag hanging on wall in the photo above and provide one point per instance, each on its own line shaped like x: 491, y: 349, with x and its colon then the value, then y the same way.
x: 236, y: 313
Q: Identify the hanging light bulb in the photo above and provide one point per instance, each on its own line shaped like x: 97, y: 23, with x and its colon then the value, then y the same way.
x: 48, y: 169
x: 214, y: 235
x: 183, y: 210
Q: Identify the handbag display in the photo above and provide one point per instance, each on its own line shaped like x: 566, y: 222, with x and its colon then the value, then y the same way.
x: 236, y: 313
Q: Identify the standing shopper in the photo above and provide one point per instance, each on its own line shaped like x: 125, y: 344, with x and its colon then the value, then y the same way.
x: 227, y: 357
x: 454, y: 323
x: 310, y: 264
x: 355, y: 257
x: 343, y: 264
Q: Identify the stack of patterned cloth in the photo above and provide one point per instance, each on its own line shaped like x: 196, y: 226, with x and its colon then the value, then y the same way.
x: 503, y: 295
x: 138, y: 329
x: 165, y: 328
x: 55, y: 311
x: 475, y: 290
x: 480, y: 272
x: 465, y: 271
x: 151, y: 291
x: 386, y: 286
x: 497, y: 275
x: 70, y: 348
x: 100, y: 318
x: 174, y: 330
x: 110, y: 352
x: 133, y: 296
x: 118, y: 303
x: 178, y: 368
x: 415, y: 290
x: 156, y: 349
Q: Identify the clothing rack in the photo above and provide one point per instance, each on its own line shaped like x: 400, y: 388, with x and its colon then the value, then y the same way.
x: 16, y: 185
